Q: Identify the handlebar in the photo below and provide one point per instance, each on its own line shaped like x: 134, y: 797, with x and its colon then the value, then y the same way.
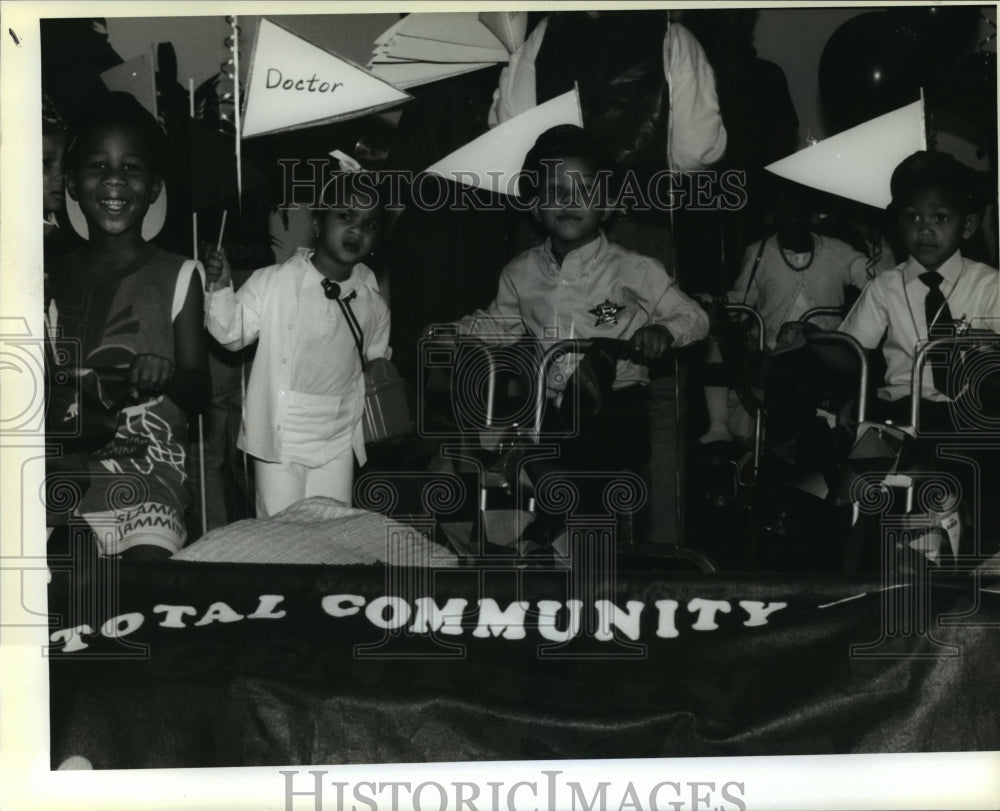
x: 613, y: 346
x: 832, y: 336
x: 105, y: 374
x: 817, y: 312
x: 981, y: 337
x: 758, y: 417
x: 746, y: 309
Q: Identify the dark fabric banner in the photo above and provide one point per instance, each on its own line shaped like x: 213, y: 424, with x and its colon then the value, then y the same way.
x: 186, y: 665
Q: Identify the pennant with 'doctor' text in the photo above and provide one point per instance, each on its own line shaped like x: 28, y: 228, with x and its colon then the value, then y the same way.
x: 294, y: 83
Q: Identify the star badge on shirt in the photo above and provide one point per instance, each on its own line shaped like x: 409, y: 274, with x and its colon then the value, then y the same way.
x: 606, y: 313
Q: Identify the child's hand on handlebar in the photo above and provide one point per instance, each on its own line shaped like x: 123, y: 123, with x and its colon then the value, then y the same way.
x: 791, y: 336
x: 651, y: 343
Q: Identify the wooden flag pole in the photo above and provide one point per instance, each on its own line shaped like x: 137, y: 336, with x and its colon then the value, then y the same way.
x: 201, y: 417
x: 235, y: 49
x: 222, y: 229
x: 194, y: 214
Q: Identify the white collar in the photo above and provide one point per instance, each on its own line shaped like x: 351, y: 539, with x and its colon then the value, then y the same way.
x: 583, y: 254
x: 950, y: 269
x: 361, y: 274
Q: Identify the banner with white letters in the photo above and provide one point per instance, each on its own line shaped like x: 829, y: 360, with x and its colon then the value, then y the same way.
x: 239, y: 665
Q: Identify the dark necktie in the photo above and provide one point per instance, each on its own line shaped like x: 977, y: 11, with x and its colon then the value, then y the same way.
x: 939, y: 325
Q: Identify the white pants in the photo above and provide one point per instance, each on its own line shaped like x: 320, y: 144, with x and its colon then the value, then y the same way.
x: 281, y: 484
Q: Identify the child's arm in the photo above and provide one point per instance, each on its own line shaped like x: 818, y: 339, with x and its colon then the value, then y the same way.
x: 675, y: 319
x: 869, y: 317
x: 233, y: 319
x: 191, y: 387
x: 378, y: 341
x: 185, y: 380
x: 217, y: 272
x: 867, y: 322
x: 501, y: 318
x: 745, y: 289
x: 499, y: 321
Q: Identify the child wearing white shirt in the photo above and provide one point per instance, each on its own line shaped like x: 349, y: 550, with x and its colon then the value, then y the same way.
x: 937, y: 205
x: 305, y: 399
x: 578, y: 284
x: 935, y: 200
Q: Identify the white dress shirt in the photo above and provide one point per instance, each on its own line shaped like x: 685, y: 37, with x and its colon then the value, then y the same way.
x: 305, y: 397
x: 539, y: 297
x: 893, y: 305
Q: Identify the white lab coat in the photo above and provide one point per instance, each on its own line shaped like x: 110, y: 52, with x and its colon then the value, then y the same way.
x: 305, y: 398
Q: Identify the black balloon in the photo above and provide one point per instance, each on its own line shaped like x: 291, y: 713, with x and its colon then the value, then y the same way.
x: 962, y: 99
x: 870, y: 66
x: 941, y: 32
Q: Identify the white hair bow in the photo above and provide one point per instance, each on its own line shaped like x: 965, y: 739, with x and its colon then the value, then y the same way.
x: 347, y: 163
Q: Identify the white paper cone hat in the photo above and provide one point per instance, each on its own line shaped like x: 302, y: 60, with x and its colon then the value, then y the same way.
x: 493, y: 161
x: 293, y: 84
x: 858, y: 163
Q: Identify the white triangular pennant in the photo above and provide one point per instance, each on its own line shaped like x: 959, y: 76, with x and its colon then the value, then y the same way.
x: 858, y: 163
x: 493, y: 160
x: 456, y: 27
x: 510, y: 27
x: 412, y: 74
x: 417, y: 49
x: 293, y: 83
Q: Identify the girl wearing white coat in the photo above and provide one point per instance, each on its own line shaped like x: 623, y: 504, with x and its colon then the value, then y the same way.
x: 305, y: 399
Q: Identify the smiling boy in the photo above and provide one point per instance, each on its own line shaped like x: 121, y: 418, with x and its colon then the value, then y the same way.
x: 133, y: 312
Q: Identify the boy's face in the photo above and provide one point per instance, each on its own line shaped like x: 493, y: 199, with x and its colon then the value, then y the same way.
x: 113, y: 180
x: 53, y: 145
x: 933, y: 225
x: 571, y: 205
x: 348, y: 234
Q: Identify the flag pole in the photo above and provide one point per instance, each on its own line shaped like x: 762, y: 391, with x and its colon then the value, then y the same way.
x: 194, y: 214
x: 234, y: 45
x: 237, y: 125
x: 201, y: 417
